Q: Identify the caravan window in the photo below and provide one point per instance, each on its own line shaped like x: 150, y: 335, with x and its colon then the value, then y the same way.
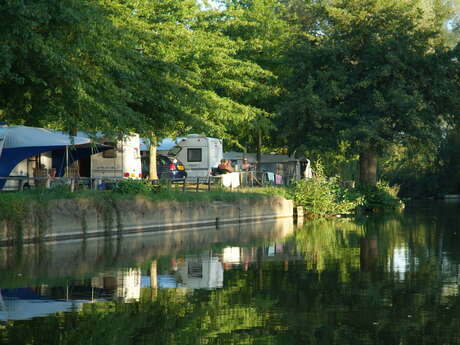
x: 112, y: 153
x: 194, y: 155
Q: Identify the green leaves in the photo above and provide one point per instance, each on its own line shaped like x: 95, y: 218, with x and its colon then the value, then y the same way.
x: 373, y: 75
x: 324, y: 197
x: 117, y: 67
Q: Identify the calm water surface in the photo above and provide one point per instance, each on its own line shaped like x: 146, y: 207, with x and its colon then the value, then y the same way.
x: 389, y: 279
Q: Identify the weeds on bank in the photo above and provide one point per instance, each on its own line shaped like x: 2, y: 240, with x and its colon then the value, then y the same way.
x: 323, y: 196
x: 320, y: 196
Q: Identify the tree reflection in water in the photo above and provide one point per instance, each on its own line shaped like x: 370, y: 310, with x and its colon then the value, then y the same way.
x: 382, y: 280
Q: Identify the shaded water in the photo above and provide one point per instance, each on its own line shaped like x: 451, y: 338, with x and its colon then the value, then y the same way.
x: 391, y: 279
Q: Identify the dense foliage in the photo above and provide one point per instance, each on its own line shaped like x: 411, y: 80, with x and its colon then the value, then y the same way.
x: 131, y: 186
x: 322, y: 196
x: 382, y: 196
x: 351, y: 81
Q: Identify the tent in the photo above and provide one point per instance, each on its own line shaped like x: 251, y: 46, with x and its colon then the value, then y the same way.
x: 20, y: 142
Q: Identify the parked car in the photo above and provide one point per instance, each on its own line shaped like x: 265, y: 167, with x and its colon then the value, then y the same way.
x: 167, y: 167
x: 170, y: 168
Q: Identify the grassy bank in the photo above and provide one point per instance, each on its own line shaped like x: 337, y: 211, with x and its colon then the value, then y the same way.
x: 320, y: 197
x: 11, y: 203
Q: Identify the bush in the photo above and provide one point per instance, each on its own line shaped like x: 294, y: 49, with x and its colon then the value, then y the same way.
x: 381, y: 196
x: 322, y: 196
x: 130, y: 186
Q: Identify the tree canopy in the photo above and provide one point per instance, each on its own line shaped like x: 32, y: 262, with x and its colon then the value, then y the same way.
x: 347, y: 78
x: 372, y: 73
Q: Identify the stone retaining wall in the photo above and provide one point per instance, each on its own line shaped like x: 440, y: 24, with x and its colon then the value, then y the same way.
x: 80, y: 218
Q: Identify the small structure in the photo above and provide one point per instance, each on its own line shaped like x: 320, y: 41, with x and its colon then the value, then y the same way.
x: 284, y: 165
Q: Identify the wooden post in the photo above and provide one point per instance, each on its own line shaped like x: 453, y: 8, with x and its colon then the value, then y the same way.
x: 209, y: 183
x: 197, y: 183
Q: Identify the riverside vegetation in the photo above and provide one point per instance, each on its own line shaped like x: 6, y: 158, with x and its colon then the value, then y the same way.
x: 324, y: 196
x: 320, y: 197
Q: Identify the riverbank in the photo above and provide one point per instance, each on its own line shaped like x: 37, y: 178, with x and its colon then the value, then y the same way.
x: 51, y: 216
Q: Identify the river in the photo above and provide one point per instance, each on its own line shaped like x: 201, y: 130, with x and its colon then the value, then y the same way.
x: 383, y: 279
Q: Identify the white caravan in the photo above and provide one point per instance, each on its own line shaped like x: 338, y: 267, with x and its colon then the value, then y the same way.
x: 199, y: 154
x: 122, y: 161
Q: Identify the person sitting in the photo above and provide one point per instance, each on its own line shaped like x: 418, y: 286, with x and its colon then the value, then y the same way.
x: 224, y: 167
x: 246, y: 166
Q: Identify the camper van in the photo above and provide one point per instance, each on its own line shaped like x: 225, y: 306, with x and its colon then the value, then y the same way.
x: 199, y: 154
x: 124, y: 160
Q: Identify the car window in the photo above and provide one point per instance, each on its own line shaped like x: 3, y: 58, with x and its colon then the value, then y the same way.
x: 175, y: 150
x: 162, y: 160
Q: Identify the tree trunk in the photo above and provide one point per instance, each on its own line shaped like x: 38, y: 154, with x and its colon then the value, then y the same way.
x: 74, y: 168
x: 259, y: 150
x: 153, y: 174
x: 368, y: 168
x: 368, y: 254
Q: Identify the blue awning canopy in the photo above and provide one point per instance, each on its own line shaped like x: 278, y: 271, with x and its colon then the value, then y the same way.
x: 20, y: 142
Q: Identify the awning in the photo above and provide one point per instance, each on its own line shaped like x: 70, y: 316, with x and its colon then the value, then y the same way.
x: 20, y: 142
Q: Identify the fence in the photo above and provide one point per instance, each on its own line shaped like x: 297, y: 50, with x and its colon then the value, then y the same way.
x: 231, y: 181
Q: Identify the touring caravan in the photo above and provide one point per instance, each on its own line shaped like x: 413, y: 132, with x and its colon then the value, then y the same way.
x: 124, y: 160
x: 199, y: 154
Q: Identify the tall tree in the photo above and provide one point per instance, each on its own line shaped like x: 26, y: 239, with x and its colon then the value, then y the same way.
x: 194, y: 79
x: 374, y: 73
x: 65, y: 64
x: 259, y: 29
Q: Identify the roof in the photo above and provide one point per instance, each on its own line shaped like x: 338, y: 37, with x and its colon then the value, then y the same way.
x: 22, y: 136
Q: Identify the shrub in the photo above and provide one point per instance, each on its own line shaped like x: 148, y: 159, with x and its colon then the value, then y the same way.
x: 381, y: 196
x: 322, y: 196
x: 131, y: 186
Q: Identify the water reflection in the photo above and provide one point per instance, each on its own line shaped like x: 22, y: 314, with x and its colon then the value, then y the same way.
x: 390, y: 279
